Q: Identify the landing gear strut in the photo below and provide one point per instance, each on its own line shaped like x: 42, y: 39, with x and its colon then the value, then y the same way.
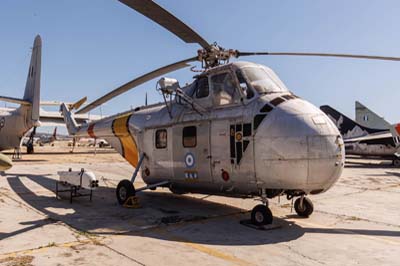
x: 29, y: 144
x: 17, y: 153
x: 303, y: 206
x: 29, y: 148
x: 126, y: 190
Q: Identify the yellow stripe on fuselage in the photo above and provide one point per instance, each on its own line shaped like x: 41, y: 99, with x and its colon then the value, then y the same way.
x: 129, y: 147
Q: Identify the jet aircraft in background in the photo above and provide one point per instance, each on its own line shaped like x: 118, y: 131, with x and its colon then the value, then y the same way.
x: 368, y: 118
x: 362, y: 140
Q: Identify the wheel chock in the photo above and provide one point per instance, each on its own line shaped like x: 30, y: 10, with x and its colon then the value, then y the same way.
x: 132, y: 202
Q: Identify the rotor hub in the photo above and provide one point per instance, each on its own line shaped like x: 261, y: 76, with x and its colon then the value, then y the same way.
x: 215, y: 55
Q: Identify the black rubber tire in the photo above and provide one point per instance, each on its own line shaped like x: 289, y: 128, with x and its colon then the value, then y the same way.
x: 307, y: 209
x: 124, y: 191
x: 261, y: 215
x: 177, y: 191
x: 396, y: 162
x: 30, y: 149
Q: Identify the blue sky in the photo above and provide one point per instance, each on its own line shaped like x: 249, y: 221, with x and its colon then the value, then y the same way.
x: 91, y: 47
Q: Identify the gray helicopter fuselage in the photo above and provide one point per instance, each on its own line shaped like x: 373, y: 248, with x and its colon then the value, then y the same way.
x: 238, y: 146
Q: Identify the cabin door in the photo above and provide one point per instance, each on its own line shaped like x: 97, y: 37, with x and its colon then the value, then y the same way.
x: 191, y: 152
x: 220, y: 150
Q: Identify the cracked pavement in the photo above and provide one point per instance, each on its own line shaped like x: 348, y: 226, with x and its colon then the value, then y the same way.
x: 357, y: 222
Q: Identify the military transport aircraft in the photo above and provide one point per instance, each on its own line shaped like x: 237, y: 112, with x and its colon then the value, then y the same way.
x: 16, y: 122
x: 236, y: 130
x: 364, y: 141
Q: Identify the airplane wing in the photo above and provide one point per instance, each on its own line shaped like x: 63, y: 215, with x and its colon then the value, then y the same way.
x: 51, y: 118
x: 380, y: 135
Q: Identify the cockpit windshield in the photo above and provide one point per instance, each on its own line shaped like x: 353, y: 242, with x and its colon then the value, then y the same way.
x: 263, y: 79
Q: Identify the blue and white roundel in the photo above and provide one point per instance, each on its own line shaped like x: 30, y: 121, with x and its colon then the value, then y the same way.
x: 189, y: 160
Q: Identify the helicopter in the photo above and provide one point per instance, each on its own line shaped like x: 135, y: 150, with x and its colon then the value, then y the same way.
x: 235, y: 131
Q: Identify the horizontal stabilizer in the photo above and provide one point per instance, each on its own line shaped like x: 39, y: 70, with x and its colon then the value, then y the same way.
x: 14, y: 100
x: 71, y: 105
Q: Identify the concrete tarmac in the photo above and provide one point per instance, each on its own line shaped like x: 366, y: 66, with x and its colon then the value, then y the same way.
x: 357, y: 222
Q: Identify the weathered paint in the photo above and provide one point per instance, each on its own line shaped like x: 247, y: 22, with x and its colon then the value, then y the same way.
x: 261, y: 142
x: 120, y: 128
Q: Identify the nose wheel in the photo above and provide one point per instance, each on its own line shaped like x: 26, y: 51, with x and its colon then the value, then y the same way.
x: 261, y: 215
x: 303, y: 206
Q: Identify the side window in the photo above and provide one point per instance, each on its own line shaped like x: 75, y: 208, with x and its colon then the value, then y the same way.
x: 161, y: 139
x: 244, y: 86
x: 189, y: 137
x: 202, y: 88
x: 224, y: 89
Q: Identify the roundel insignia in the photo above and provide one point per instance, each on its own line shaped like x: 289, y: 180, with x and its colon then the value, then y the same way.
x: 238, y: 136
x: 189, y: 160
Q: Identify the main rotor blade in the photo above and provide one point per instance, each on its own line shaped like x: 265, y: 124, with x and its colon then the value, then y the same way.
x: 136, y: 82
x: 161, y: 16
x: 373, y: 57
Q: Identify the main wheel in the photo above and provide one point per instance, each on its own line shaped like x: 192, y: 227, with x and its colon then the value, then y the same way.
x: 396, y: 162
x: 261, y: 215
x: 29, y: 149
x: 305, y: 209
x: 125, y: 190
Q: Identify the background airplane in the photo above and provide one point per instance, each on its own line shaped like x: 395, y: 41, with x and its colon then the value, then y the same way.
x: 47, y: 139
x: 368, y: 118
x: 362, y: 140
x: 15, y: 123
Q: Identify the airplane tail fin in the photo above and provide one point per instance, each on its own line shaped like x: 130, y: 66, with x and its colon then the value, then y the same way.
x: 30, y: 103
x: 32, y: 87
x: 347, y: 127
x: 368, y: 118
x: 71, y: 124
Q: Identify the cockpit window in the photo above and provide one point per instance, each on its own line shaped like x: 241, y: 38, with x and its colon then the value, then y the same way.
x: 263, y: 80
x: 202, y: 88
x: 247, y: 91
x: 224, y: 89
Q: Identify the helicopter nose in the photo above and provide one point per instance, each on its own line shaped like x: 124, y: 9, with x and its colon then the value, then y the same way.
x: 298, y: 147
x: 5, y: 162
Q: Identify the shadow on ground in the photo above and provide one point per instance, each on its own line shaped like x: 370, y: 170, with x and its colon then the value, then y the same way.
x: 162, y: 216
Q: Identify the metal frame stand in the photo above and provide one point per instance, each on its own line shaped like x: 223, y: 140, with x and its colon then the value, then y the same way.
x: 73, y: 190
x: 17, y: 153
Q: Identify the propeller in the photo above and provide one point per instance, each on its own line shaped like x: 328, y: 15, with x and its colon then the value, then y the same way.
x: 165, y: 19
x: 210, y: 55
x: 372, y: 57
x: 136, y: 82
